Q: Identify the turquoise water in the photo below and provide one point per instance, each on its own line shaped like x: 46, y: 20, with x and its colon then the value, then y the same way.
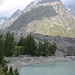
x: 61, y: 68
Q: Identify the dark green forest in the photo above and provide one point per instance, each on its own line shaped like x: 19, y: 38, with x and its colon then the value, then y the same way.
x: 25, y: 46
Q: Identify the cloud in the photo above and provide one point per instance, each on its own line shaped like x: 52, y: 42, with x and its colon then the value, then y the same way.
x: 68, y: 2
x: 14, y: 4
x: 10, y: 6
x: 1, y: 1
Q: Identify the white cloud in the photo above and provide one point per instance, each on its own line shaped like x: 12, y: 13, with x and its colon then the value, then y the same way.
x: 68, y: 2
x: 10, y: 6
x: 1, y: 1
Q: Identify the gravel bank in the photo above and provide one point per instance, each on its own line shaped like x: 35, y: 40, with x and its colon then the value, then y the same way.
x: 21, y: 61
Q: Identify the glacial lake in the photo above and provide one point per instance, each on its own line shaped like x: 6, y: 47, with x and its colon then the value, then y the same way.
x: 58, y: 68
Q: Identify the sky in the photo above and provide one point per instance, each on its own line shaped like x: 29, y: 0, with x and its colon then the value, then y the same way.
x: 8, y: 7
x: 68, y: 2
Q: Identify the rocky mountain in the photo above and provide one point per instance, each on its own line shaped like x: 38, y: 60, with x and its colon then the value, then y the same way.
x: 47, y: 17
x: 46, y: 20
x: 72, y: 9
x: 8, y: 22
x: 2, y: 20
x: 66, y: 46
x: 17, y: 12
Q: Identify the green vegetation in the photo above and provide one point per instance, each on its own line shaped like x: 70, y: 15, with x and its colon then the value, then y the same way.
x: 10, y: 71
x: 1, y: 71
x: 1, y: 50
x: 5, y: 71
x: 25, y: 46
x: 9, y: 44
x: 45, y: 49
x: 28, y: 46
x: 6, y: 48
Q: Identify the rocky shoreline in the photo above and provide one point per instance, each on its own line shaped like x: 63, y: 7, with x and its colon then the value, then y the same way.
x: 22, y: 61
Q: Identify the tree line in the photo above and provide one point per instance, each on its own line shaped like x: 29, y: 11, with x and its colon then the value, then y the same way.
x: 28, y: 46
x: 25, y: 46
x: 6, y: 49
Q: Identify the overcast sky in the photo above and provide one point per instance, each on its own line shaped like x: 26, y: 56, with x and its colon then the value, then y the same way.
x: 68, y: 2
x: 8, y: 7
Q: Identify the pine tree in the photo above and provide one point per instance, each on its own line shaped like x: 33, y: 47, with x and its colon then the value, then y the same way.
x: 16, y: 72
x: 45, y: 49
x: 40, y: 49
x: 29, y: 45
x: 52, y: 49
x: 5, y: 69
x: 20, y: 43
x: 10, y: 71
x: 9, y: 45
x: 1, y: 50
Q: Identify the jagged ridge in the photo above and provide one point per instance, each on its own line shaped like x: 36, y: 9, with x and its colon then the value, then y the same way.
x: 48, y: 17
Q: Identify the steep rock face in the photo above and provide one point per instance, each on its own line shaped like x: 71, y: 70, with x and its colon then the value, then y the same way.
x: 66, y: 46
x: 11, y: 20
x: 47, y: 17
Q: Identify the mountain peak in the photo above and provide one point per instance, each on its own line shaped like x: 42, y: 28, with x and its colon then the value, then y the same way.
x: 46, y: 1
x: 16, y: 13
x: 47, y: 17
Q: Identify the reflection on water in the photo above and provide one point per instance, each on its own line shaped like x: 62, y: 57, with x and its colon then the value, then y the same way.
x: 61, y: 68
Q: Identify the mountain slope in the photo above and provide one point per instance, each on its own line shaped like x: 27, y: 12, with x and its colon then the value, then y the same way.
x: 11, y: 20
x: 47, y: 17
x: 66, y: 46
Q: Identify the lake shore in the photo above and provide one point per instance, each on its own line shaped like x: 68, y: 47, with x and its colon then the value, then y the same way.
x: 22, y: 61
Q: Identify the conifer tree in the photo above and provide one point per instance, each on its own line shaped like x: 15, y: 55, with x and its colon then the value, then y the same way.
x: 10, y: 71
x: 45, y: 49
x: 29, y: 45
x: 40, y: 49
x: 16, y: 72
x: 9, y: 45
x: 1, y: 50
